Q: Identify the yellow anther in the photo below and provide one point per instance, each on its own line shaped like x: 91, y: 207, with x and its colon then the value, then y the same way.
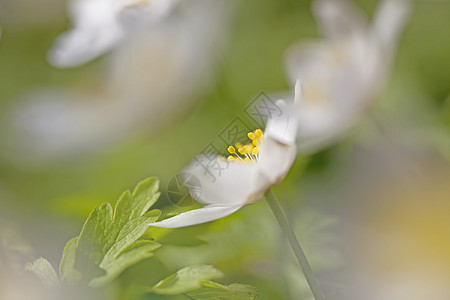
x: 246, y: 149
x: 246, y: 152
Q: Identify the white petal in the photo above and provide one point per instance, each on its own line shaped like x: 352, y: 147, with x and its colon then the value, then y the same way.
x: 57, y: 123
x: 298, y: 92
x: 338, y: 18
x: 275, y: 162
x: 308, y: 62
x: 278, y: 148
x: 95, y: 31
x: 283, y: 127
x: 197, y: 216
x: 390, y: 19
x: 76, y: 48
x: 222, y: 182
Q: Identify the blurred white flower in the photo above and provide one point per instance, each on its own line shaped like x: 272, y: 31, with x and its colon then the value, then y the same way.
x: 152, y: 76
x: 246, y: 175
x: 342, y: 74
x: 98, y: 26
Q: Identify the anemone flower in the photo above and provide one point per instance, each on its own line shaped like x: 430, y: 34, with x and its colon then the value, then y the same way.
x: 97, y: 27
x: 246, y: 174
x: 342, y: 74
x: 149, y: 80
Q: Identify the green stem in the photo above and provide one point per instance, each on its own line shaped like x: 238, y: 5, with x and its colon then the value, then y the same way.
x: 299, y: 253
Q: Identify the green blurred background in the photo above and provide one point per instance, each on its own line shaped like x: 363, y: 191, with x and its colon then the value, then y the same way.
x: 401, y: 150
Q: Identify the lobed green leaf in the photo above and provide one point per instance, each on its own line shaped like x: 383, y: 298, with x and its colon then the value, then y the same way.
x: 185, y: 280
x: 135, y: 253
x: 44, y: 270
x: 107, y: 244
x: 67, y: 271
x: 213, y: 290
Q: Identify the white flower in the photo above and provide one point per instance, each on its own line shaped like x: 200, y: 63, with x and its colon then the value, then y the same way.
x: 342, y: 73
x: 97, y: 27
x: 246, y: 175
x: 150, y: 79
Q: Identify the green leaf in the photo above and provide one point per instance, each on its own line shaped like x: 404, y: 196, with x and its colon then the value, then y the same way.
x: 67, y: 271
x: 137, y: 252
x: 44, y: 270
x: 144, y: 196
x: 213, y: 290
x: 93, y: 242
x: 185, y: 280
x: 106, y: 245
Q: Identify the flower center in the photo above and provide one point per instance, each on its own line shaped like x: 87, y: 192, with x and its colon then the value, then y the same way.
x: 313, y: 93
x: 247, y: 152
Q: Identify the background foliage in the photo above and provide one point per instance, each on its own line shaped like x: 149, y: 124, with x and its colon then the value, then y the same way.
x: 44, y: 203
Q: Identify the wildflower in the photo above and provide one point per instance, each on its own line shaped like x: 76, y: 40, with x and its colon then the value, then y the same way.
x: 342, y: 74
x: 248, y: 172
x: 148, y: 80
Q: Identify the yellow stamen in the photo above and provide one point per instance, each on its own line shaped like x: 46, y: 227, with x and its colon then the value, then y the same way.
x: 246, y: 152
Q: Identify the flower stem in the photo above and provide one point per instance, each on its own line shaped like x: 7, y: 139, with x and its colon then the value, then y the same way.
x: 299, y: 253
